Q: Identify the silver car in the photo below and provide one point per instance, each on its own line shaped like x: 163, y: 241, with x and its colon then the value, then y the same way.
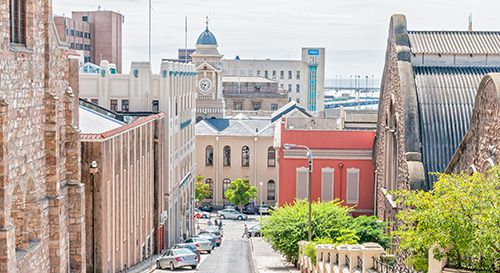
x: 174, y: 258
x: 231, y: 214
x: 204, y: 245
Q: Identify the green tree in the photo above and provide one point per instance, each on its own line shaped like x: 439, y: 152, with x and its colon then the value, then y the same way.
x: 461, y: 214
x: 240, y: 192
x: 370, y: 229
x: 202, y: 190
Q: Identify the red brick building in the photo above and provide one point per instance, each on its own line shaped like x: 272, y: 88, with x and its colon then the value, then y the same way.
x: 342, y: 163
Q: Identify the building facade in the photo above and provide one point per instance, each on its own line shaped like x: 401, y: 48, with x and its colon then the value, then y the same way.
x: 342, y: 163
x: 172, y: 92
x: 303, y: 80
x: 97, y: 33
x: 241, y: 147
x: 428, y: 88
x: 42, y: 223
x: 252, y: 96
x: 124, y: 189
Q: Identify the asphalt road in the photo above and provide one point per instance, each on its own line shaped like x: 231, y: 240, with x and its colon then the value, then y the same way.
x: 233, y: 256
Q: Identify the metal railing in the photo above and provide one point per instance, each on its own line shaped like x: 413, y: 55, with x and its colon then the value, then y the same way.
x: 478, y: 264
x: 347, y: 261
x: 387, y: 268
x: 360, y: 263
x: 337, y: 259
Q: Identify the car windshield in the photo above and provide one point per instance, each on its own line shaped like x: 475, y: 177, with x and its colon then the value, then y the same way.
x: 182, y: 251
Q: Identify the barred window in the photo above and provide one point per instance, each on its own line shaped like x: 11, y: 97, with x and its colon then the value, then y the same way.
x: 18, y: 21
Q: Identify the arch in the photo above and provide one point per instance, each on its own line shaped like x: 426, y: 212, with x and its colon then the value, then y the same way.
x: 391, y: 149
x: 210, y: 183
x: 487, y: 166
x: 271, y: 157
x: 271, y: 190
x: 226, y: 156
x: 209, y: 155
x: 33, y: 217
x: 245, y: 156
x: 225, y: 186
x: 199, y: 118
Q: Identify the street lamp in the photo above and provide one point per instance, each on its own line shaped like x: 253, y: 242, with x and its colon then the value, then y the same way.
x: 93, y: 171
x: 310, y: 158
x: 260, y: 210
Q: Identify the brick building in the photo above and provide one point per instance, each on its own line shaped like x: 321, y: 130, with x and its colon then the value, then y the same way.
x: 42, y: 199
x: 125, y: 187
x: 97, y: 33
x: 428, y: 88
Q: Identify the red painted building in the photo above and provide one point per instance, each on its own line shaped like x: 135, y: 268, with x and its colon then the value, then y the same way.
x: 342, y: 163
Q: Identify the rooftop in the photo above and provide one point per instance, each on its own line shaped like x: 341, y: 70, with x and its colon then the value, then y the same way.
x: 455, y: 42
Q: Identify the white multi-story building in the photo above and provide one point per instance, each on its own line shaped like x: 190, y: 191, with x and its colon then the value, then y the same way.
x: 173, y: 92
x: 303, y: 80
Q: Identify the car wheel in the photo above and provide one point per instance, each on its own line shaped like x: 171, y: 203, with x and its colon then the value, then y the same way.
x: 240, y: 218
x: 222, y: 216
x: 208, y: 251
x: 193, y: 267
x: 204, y: 216
x: 218, y: 244
x: 172, y: 267
x: 158, y: 266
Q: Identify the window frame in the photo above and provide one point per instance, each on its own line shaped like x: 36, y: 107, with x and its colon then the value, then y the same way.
x: 245, y: 156
x: 271, y: 197
x: 18, y: 27
x: 209, y: 159
x: 226, y: 156
x: 225, y: 181
x: 271, y: 148
x: 210, y: 183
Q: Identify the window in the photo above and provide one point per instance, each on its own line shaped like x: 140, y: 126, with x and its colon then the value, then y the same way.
x: 245, y: 156
x: 250, y: 73
x: 302, y: 179
x: 210, y: 183
x: 271, y: 190
x: 225, y: 186
x: 266, y: 74
x: 156, y: 107
x: 234, y: 73
x: 256, y: 106
x: 258, y: 73
x: 224, y: 73
x: 274, y: 106
x: 113, y: 105
x: 88, y: 59
x: 327, y: 184
x: 125, y: 106
x: 242, y: 73
x: 289, y: 88
x: 68, y: 32
x: 297, y: 88
x: 289, y: 75
x: 238, y: 105
x: 274, y: 74
x: 72, y: 45
x: 226, y: 156
x: 175, y: 108
x: 352, y: 191
x: 282, y: 74
x: 85, y: 18
x: 209, y: 154
x: 298, y: 75
x: 271, y: 157
x: 95, y: 101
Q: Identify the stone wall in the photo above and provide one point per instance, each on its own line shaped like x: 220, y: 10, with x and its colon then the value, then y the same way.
x: 40, y: 186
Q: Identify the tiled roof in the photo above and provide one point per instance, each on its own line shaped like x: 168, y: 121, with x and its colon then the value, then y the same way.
x: 455, y: 42
x: 234, y: 127
x: 445, y: 98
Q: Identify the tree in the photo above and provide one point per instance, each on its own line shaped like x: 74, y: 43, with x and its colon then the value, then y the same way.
x: 461, y: 215
x: 370, y: 229
x: 288, y: 225
x: 202, y: 190
x: 240, y: 192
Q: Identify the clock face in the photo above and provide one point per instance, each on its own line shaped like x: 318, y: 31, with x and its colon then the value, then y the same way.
x: 205, y: 86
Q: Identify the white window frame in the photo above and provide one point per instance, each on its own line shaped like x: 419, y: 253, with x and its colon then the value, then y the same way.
x: 301, y: 170
x: 323, y: 191
x: 348, y: 186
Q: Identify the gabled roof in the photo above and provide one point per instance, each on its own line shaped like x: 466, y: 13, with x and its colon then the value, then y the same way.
x: 288, y: 108
x: 455, y: 42
x: 235, y: 127
x: 93, y: 122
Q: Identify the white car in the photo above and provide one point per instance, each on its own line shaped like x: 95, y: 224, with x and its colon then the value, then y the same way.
x: 175, y: 258
x: 201, y: 244
x: 231, y: 214
x: 203, y: 214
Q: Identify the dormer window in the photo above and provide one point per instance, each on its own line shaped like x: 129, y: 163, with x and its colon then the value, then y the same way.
x: 18, y: 21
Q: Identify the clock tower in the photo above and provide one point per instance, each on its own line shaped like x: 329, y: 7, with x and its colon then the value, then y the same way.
x: 208, y: 62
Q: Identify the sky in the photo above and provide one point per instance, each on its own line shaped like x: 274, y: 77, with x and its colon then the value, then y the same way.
x: 353, y: 33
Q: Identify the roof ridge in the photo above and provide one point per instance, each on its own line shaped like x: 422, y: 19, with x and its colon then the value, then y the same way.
x: 122, y: 128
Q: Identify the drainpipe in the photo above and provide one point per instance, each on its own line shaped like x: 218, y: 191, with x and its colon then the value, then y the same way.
x: 255, y: 166
x: 93, y: 172
x: 341, y: 174
x: 216, y: 184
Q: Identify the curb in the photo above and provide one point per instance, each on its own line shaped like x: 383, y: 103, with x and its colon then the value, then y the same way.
x: 255, y: 269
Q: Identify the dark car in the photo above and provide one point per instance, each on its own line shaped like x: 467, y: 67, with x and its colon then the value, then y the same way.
x: 229, y: 206
x: 254, y: 231
x: 248, y: 208
x: 205, y: 206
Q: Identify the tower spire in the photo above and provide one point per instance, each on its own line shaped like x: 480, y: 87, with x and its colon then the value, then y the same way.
x: 207, y: 22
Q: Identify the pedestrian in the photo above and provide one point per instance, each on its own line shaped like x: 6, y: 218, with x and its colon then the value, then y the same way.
x: 215, y: 222
x: 220, y: 224
x: 245, y: 232
x: 209, y: 222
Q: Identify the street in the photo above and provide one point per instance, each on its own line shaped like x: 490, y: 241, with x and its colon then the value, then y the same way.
x: 234, y: 253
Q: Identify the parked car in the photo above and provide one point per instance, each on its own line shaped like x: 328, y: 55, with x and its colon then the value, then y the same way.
x: 264, y: 209
x: 254, y: 231
x: 202, y: 244
x: 191, y: 247
x: 217, y: 237
x: 206, y: 206
x: 231, y: 214
x: 229, y: 206
x: 174, y: 258
x: 215, y: 228
x: 207, y: 237
x: 203, y: 214
x: 248, y: 208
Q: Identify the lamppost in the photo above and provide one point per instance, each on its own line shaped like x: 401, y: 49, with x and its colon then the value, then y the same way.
x: 310, y: 158
x: 93, y: 172
x: 260, y: 210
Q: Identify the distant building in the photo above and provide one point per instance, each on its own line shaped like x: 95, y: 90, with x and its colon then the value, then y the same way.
x: 426, y: 100
x: 252, y: 96
x: 125, y: 196
x: 183, y: 55
x: 172, y: 91
x: 303, y: 80
x: 97, y: 33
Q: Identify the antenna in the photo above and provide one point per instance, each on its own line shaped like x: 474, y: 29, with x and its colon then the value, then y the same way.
x: 150, y: 33
x: 470, y: 21
x: 186, y: 41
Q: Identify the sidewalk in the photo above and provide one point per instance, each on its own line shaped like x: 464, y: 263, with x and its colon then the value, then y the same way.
x: 265, y: 260
x: 144, y: 267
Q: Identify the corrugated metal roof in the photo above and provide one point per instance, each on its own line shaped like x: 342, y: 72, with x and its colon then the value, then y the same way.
x: 445, y: 100
x: 455, y: 42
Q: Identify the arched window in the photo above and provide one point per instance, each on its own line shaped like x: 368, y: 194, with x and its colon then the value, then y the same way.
x: 487, y: 166
x: 18, y: 21
x: 271, y: 190
x: 209, y: 155
x: 271, y: 157
x: 227, y: 156
x: 225, y: 186
x: 198, y: 119
x: 210, y: 183
x: 245, y: 156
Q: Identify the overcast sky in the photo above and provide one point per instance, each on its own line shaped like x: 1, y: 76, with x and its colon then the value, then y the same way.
x: 353, y: 32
